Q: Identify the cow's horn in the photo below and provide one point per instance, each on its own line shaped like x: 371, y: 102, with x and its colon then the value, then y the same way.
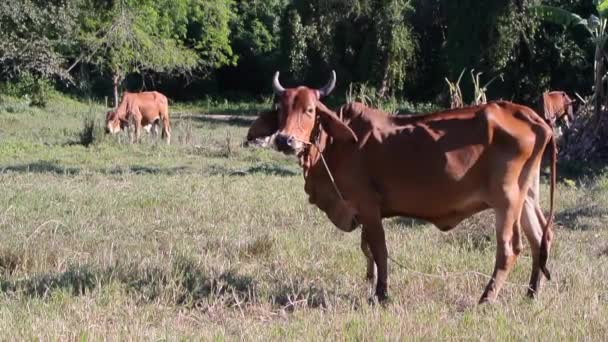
x: 276, y: 85
x: 329, y: 87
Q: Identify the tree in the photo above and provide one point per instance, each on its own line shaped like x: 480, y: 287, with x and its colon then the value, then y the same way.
x: 597, y: 27
x: 176, y: 37
x: 590, y: 139
x: 35, y: 34
x: 365, y: 40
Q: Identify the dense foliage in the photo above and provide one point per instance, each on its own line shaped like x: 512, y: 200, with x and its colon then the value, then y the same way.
x: 190, y: 48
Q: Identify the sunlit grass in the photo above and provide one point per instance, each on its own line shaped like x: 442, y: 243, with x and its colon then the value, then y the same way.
x: 207, y: 239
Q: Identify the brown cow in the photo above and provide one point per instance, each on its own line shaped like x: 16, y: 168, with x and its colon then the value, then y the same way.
x: 441, y: 167
x: 147, y: 109
x: 557, y: 107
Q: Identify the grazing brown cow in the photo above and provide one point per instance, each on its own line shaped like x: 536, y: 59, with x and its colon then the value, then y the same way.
x: 441, y: 167
x: 557, y: 107
x: 147, y: 109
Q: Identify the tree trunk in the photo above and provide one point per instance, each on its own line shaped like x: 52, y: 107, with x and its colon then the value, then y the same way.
x: 383, y: 85
x: 115, y: 83
x: 599, y: 85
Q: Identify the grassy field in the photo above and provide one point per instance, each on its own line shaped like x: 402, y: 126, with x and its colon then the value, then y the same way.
x: 207, y: 239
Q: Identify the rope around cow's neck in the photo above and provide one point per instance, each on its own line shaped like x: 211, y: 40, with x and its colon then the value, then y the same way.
x: 331, y: 176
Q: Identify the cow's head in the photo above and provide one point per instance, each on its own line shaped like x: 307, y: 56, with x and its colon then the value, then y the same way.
x: 288, y: 129
x: 114, y: 123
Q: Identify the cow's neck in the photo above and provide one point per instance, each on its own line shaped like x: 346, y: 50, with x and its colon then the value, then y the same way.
x: 121, y: 111
x: 312, y: 154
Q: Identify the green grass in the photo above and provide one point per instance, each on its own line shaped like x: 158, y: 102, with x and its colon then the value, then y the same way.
x: 207, y: 239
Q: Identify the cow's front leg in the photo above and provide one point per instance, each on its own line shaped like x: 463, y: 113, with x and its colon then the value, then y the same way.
x: 370, y: 273
x: 373, y: 234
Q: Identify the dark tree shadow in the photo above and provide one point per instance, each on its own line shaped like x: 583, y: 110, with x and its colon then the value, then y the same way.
x: 239, y: 121
x: 185, y: 283
x: 141, y: 169
x: 185, y: 278
x: 266, y: 169
x: 41, y: 166
x: 53, y: 167
x: 581, y: 218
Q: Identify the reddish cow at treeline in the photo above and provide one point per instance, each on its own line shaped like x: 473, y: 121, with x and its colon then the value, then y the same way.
x: 145, y: 110
x: 362, y: 165
x: 556, y: 107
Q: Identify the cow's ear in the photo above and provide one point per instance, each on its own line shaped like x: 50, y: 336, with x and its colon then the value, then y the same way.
x: 333, y: 125
x: 265, y: 125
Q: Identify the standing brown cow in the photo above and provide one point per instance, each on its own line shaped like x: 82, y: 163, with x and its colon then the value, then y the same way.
x: 364, y: 165
x: 557, y: 107
x: 146, y: 109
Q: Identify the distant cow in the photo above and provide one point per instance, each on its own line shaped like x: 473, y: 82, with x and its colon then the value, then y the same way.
x: 557, y: 107
x: 362, y: 165
x: 146, y: 109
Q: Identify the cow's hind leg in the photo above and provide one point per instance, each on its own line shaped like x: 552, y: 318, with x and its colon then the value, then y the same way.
x: 508, y: 245
x: 154, y: 128
x: 533, y: 221
x: 533, y: 230
x: 164, y: 117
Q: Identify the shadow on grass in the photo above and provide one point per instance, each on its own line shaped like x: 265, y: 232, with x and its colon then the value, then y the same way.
x: 185, y: 283
x: 245, y: 121
x: 54, y: 167
x: 41, y: 166
x: 266, y: 169
x: 140, y: 169
x: 586, y: 217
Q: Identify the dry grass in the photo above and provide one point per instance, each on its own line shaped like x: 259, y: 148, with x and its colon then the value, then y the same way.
x: 206, y: 239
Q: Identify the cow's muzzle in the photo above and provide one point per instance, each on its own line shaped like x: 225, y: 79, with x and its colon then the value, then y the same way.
x: 287, y: 144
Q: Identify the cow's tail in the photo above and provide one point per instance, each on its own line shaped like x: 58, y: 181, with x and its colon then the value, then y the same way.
x: 547, y: 230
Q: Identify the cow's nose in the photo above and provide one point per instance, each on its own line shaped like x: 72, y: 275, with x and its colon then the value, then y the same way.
x: 284, y: 143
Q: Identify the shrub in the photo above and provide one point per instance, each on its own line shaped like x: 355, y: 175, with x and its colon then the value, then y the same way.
x: 36, y: 89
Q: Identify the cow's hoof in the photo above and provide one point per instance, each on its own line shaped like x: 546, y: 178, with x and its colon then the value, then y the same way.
x: 531, y: 294
x: 486, y: 300
x: 384, y: 301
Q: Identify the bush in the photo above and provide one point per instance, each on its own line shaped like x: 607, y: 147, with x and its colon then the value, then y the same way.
x: 36, y: 89
x: 91, y: 131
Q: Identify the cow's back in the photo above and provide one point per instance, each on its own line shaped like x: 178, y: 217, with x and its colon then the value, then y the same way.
x: 151, y: 104
x: 438, y: 166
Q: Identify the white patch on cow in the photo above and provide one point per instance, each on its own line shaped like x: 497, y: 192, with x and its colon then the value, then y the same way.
x: 264, y: 141
x: 113, y: 129
x: 148, y: 127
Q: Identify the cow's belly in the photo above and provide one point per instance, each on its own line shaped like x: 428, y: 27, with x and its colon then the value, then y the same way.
x: 148, y: 121
x: 422, y: 178
x: 436, y: 197
x: 443, y: 210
